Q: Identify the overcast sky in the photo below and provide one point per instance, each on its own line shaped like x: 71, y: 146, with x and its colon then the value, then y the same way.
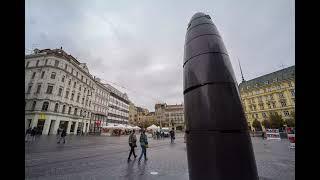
x: 139, y: 44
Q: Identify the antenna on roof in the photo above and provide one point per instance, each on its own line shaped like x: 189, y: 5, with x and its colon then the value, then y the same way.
x: 241, y: 71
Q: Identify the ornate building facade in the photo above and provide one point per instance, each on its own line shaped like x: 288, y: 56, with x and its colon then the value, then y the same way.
x: 60, y: 92
x: 272, y: 93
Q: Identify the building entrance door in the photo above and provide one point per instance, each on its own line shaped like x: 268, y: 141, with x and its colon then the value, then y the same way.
x: 40, y: 125
x: 72, y: 127
x: 52, y: 123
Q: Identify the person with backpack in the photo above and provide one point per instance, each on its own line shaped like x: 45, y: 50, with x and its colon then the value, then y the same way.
x: 172, y: 135
x: 132, y: 144
x: 144, y: 145
x: 63, y: 136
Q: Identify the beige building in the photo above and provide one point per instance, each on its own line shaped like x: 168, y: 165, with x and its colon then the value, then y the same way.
x: 170, y: 116
x: 150, y: 118
x: 268, y: 94
x: 133, y: 114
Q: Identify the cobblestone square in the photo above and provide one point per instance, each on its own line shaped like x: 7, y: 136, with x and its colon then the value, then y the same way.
x: 96, y: 157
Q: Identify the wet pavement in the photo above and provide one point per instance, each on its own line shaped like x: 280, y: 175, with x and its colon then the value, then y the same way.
x: 96, y: 157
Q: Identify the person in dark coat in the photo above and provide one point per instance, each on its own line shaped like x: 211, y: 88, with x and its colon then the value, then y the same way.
x: 28, y: 133
x: 33, y: 133
x: 132, y: 144
x: 58, y: 132
x: 172, y: 135
x: 63, y: 135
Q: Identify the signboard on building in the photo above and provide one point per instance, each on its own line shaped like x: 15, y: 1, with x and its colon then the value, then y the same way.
x: 273, y: 134
x: 42, y: 116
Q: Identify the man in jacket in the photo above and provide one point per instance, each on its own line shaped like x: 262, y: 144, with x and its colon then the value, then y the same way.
x: 132, y: 144
x: 144, y: 145
x: 63, y: 135
x: 172, y: 135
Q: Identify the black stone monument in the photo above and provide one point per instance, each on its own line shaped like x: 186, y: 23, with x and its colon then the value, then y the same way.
x: 218, y: 142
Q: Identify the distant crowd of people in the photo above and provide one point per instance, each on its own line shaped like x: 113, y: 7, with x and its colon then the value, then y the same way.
x: 32, y: 134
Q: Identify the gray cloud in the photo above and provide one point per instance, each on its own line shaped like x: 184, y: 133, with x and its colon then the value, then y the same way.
x: 139, y: 45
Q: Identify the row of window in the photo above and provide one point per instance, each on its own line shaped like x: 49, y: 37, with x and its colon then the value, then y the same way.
x: 270, y: 105
x: 117, y: 116
x: 261, y: 91
x: 264, y: 115
x: 112, y: 107
x: 56, y: 64
x: 118, y: 102
x: 50, y: 91
x: 102, y: 101
x: 268, y: 97
x: 100, y: 109
x: 45, y: 106
x: 53, y: 76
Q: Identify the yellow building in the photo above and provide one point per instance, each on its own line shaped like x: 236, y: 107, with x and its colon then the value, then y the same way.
x: 268, y: 94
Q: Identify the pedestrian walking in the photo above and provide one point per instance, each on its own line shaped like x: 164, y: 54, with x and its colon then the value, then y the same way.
x: 158, y: 134
x: 144, y: 145
x: 38, y: 132
x: 58, y: 132
x: 63, y: 136
x: 33, y: 134
x: 263, y: 134
x: 172, y: 135
x: 28, y: 133
x: 132, y: 144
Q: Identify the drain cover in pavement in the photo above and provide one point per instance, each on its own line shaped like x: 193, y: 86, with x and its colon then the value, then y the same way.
x: 154, y: 173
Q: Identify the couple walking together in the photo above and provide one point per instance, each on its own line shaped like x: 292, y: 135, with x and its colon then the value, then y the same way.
x: 143, y: 143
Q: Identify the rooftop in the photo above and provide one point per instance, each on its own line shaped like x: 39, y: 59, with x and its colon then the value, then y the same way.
x: 281, y: 75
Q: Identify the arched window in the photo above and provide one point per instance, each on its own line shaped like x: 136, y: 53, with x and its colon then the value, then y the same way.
x: 45, y: 106
x: 56, y: 107
x: 75, y: 111
x: 63, y: 108
x: 34, y: 105
x: 53, y: 75
x: 69, y: 111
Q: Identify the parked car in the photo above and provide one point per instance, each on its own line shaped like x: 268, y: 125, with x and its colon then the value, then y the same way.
x: 166, y: 132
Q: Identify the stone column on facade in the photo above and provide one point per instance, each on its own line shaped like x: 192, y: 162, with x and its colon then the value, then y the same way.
x: 46, y: 126
x: 34, y: 120
x: 76, y: 127
x: 56, y: 126
x: 84, y: 126
x: 69, y: 127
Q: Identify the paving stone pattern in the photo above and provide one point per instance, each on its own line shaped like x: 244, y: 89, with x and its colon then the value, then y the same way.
x: 96, y: 157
